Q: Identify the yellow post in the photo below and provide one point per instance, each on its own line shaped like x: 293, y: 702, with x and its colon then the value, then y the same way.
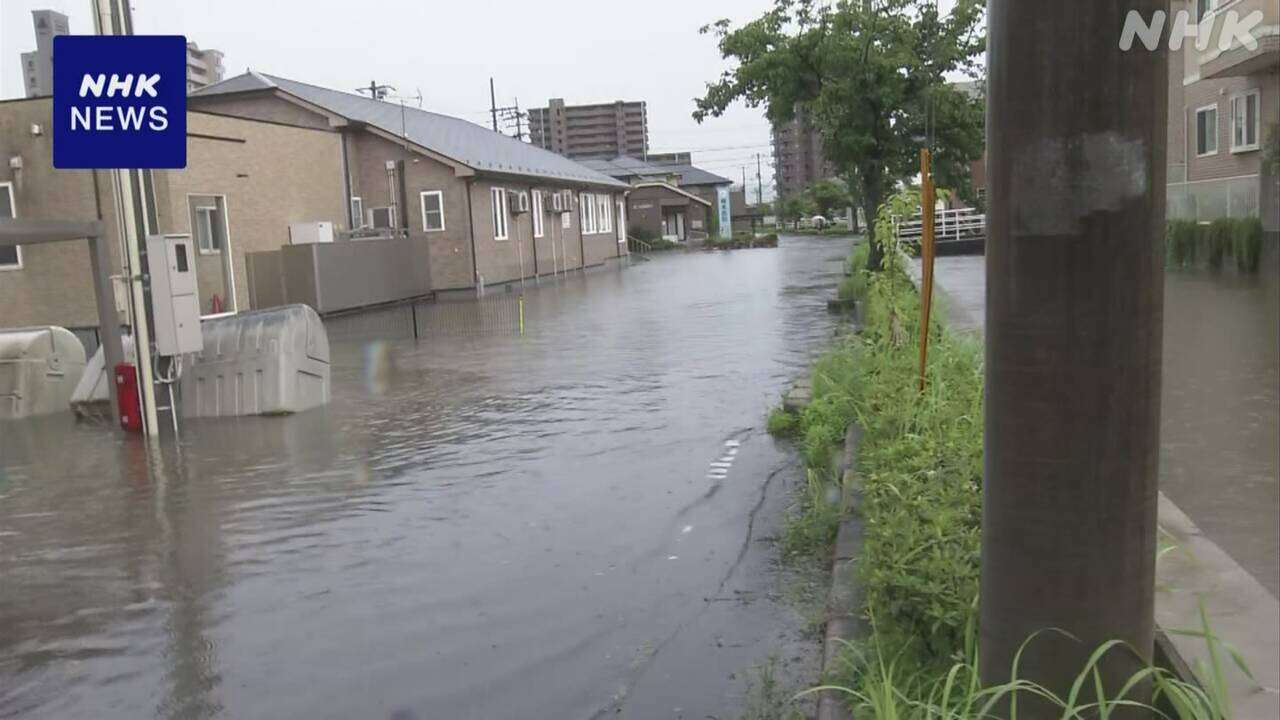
x: 521, y: 303
x: 926, y: 257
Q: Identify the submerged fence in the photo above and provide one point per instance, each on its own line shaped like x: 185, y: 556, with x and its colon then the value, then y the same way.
x: 497, y: 313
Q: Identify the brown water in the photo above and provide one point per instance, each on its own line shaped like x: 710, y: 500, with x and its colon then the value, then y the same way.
x: 478, y: 526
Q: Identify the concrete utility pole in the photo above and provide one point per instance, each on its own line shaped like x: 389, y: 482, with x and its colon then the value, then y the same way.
x: 759, y: 184
x: 133, y: 203
x: 1076, y: 134
x: 493, y: 106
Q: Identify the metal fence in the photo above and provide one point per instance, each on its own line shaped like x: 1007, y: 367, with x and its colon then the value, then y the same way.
x: 496, y: 313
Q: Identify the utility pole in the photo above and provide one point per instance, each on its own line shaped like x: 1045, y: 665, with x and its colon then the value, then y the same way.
x: 744, y: 183
x: 759, y: 183
x: 133, y: 206
x: 1073, y: 341
x: 493, y: 106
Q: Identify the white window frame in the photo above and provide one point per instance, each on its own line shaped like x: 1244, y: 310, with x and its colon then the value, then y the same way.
x: 604, y: 213
x: 1243, y: 97
x: 536, y: 205
x: 13, y: 210
x: 208, y: 211
x: 422, y: 199
x: 357, y: 211
x: 228, y: 257
x: 500, y: 212
x: 587, y: 208
x: 566, y: 217
x: 1214, y: 134
x: 621, y: 207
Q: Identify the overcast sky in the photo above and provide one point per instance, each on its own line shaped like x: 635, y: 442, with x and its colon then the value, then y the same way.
x: 582, y: 51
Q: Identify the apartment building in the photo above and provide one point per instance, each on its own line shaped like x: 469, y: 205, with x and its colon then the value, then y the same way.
x: 1224, y: 107
x: 798, y: 159
x: 489, y: 209
x: 37, y: 65
x: 242, y: 188
x: 603, y: 130
x: 204, y: 67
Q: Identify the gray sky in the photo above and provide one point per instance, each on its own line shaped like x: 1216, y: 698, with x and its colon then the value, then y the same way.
x: 583, y: 51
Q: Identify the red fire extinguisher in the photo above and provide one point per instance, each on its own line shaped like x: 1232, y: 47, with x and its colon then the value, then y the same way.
x: 127, y: 392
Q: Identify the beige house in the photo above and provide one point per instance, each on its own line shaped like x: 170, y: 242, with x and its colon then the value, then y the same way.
x: 241, y: 189
x: 482, y: 203
x: 1224, y: 107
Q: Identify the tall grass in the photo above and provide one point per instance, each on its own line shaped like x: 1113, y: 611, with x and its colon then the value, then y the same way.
x: 888, y: 687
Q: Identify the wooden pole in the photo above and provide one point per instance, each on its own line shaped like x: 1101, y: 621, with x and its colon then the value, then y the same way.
x: 926, y: 258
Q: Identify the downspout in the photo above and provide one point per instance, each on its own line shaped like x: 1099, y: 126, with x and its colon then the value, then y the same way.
x: 346, y: 181
x: 582, y: 243
x: 471, y: 229
x: 533, y: 241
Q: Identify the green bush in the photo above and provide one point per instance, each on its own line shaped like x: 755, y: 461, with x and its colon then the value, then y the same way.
x: 1248, y: 244
x: 1217, y: 240
x: 1180, y: 243
x: 782, y: 423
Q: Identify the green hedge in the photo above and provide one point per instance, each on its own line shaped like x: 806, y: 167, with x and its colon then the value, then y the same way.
x: 1191, y: 244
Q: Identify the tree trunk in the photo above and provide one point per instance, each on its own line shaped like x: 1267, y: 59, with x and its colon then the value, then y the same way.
x: 1073, y: 341
x: 875, y: 258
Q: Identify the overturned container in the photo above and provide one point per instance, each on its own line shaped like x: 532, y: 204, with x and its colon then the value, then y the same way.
x: 265, y: 362
x: 39, y: 369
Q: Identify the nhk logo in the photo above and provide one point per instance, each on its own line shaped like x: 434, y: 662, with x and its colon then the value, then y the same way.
x: 100, y: 117
x: 1233, y: 30
x: 119, y: 101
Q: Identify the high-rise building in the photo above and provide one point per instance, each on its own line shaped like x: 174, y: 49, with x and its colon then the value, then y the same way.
x: 606, y: 130
x: 204, y: 67
x: 37, y: 66
x: 798, y: 160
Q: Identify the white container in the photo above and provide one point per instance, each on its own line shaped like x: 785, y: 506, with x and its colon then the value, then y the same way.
x: 265, y: 362
x: 39, y: 369
x: 308, y: 233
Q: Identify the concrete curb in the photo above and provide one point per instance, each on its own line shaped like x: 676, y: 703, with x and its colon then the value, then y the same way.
x: 844, y: 599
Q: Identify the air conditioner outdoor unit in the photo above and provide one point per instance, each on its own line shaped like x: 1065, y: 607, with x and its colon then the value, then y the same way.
x: 557, y: 202
x: 521, y: 205
x: 382, y: 217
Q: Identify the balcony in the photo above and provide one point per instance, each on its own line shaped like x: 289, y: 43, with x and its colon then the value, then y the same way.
x: 1237, y: 59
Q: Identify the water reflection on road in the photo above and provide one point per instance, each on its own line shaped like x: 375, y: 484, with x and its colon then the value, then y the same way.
x: 480, y: 526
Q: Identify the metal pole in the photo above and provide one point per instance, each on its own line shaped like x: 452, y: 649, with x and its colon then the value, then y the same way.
x: 108, y: 323
x: 493, y: 106
x: 114, y: 18
x: 759, y: 184
x: 926, y: 258
x: 1073, y: 339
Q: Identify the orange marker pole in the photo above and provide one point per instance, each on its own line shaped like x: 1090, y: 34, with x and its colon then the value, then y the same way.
x: 926, y: 258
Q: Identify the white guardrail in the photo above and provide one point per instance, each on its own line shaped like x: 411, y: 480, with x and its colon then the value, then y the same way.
x: 959, y: 224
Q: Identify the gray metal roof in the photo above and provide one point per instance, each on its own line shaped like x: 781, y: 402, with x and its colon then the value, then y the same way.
x: 472, y: 145
x: 625, y: 166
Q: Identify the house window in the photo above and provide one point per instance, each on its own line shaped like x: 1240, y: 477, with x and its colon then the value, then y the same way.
x: 210, y: 229
x: 357, y: 213
x: 1207, y: 130
x: 1245, y: 121
x: 622, y: 222
x: 214, y: 261
x: 537, y: 213
x: 587, y: 207
x: 432, y: 211
x: 498, y: 197
x: 603, y: 213
x: 10, y: 255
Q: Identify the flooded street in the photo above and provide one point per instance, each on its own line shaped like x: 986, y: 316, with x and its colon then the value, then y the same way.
x: 480, y: 525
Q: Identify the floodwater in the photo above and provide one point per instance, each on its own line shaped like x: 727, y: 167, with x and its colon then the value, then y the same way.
x: 480, y: 525
x: 1220, y: 410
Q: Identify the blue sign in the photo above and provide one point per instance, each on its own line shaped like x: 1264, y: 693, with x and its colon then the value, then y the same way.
x: 726, y: 217
x: 119, y: 101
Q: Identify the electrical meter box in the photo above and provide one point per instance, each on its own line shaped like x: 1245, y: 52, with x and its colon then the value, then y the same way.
x: 175, y: 302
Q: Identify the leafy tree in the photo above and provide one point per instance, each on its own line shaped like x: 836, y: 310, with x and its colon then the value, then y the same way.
x: 792, y: 208
x: 871, y: 76
x: 826, y: 196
